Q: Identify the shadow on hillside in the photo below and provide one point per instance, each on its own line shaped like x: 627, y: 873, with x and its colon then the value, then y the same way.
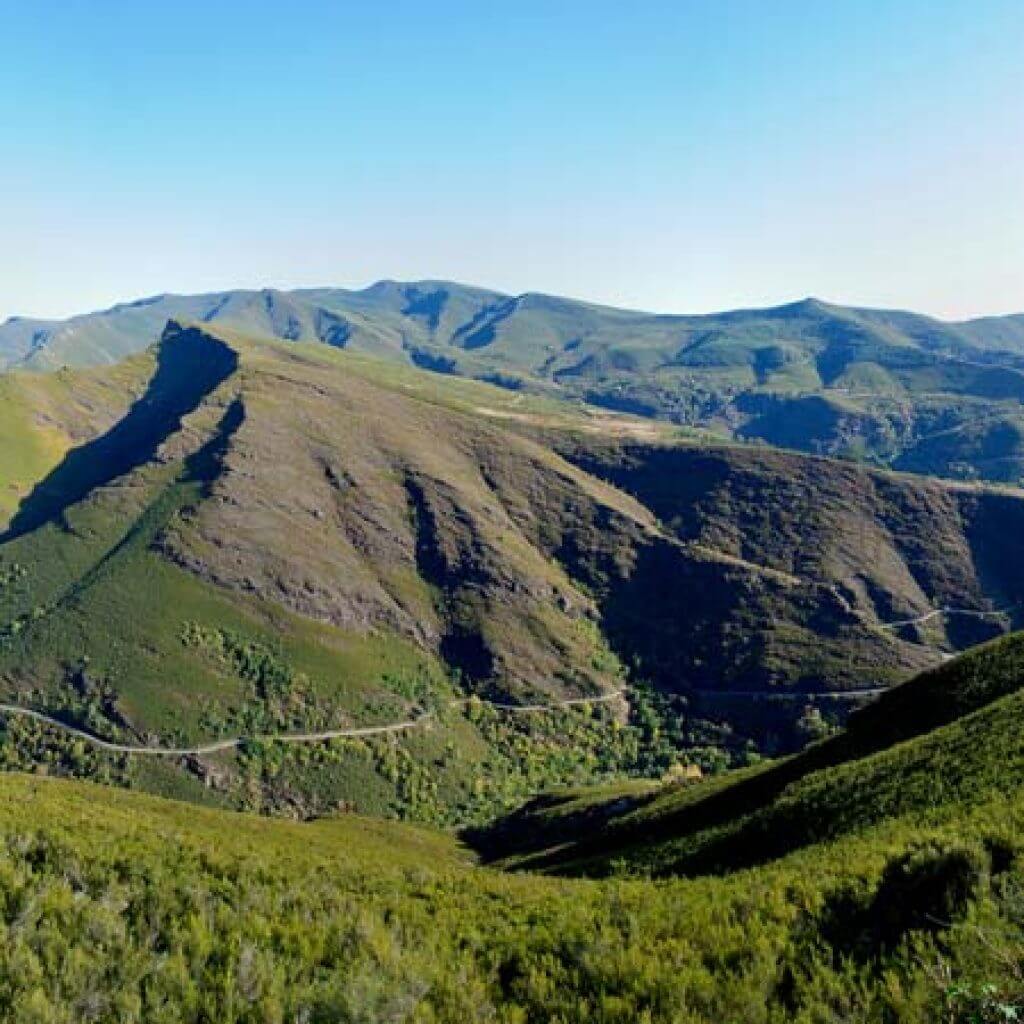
x: 927, y: 702
x: 462, y: 645
x: 190, y: 365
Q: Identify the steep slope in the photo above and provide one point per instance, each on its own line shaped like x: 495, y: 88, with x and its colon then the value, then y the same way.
x: 264, y: 544
x: 892, y: 387
x: 283, y: 538
x: 926, y: 752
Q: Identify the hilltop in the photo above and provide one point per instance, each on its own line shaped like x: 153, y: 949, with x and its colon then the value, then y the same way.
x: 889, y: 387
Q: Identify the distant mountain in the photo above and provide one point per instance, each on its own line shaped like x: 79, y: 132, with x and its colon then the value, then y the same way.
x: 893, y: 388
x: 387, y: 319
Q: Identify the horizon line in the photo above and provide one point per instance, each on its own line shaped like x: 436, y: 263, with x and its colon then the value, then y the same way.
x: 440, y: 281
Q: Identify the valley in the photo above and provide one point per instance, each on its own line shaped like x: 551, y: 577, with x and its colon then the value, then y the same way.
x: 310, y: 657
x: 877, y: 875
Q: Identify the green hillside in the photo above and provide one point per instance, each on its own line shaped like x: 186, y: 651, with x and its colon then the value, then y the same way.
x: 122, y: 907
x: 889, y: 387
x: 227, y: 538
x: 925, y: 752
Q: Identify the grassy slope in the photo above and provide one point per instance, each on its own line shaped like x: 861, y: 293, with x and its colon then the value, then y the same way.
x: 44, y: 415
x: 945, y: 741
x: 121, y: 908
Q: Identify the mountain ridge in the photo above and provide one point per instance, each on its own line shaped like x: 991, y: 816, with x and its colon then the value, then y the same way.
x: 386, y: 283
x: 888, y: 387
x: 291, y: 538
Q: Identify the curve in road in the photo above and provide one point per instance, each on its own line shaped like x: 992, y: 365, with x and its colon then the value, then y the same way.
x: 301, y: 737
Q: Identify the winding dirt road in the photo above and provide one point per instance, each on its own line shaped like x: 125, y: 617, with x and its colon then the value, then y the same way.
x: 946, y: 613
x: 413, y: 723
x: 296, y: 737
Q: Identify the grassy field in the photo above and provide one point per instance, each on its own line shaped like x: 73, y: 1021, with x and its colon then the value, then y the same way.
x: 120, y: 907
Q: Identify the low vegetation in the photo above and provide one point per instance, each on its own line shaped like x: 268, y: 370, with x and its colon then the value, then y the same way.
x: 309, y: 541
x: 119, y: 907
x: 922, y: 753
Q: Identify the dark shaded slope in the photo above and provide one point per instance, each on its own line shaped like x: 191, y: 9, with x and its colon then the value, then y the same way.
x: 897, y: 755
x: 698, y: 619
x: 884, y: 547
x: 190, y: 364
x: 200, y: 468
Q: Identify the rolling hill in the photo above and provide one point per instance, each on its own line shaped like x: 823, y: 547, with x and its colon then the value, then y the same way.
x: 226, y: 537
x: 893, y: 388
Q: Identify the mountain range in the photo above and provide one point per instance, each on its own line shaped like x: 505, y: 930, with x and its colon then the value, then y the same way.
x: 891, y: 388
x: 578, y: 708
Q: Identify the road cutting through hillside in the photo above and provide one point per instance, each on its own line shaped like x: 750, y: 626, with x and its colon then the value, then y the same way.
x: 301, y: 737
x: 405, y: 725
x: 946, y: 612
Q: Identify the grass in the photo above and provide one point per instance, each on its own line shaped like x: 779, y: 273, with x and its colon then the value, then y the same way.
x: 33, y: 451
x: 124, y: 907
x: 44, y: 415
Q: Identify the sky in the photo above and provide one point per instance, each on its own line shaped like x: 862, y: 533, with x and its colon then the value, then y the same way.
x: 686, y: 156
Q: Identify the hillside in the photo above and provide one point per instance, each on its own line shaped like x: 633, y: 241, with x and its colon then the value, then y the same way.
x: 925, y: 752
x: 229, y: 538
x: 889, y: 387
x: 225, y: 541
x: 121, y: 908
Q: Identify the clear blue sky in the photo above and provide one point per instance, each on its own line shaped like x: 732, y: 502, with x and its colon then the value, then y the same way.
x: 677, y: 156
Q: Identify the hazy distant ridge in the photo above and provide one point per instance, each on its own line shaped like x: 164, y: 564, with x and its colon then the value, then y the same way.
x: 896, y: 388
